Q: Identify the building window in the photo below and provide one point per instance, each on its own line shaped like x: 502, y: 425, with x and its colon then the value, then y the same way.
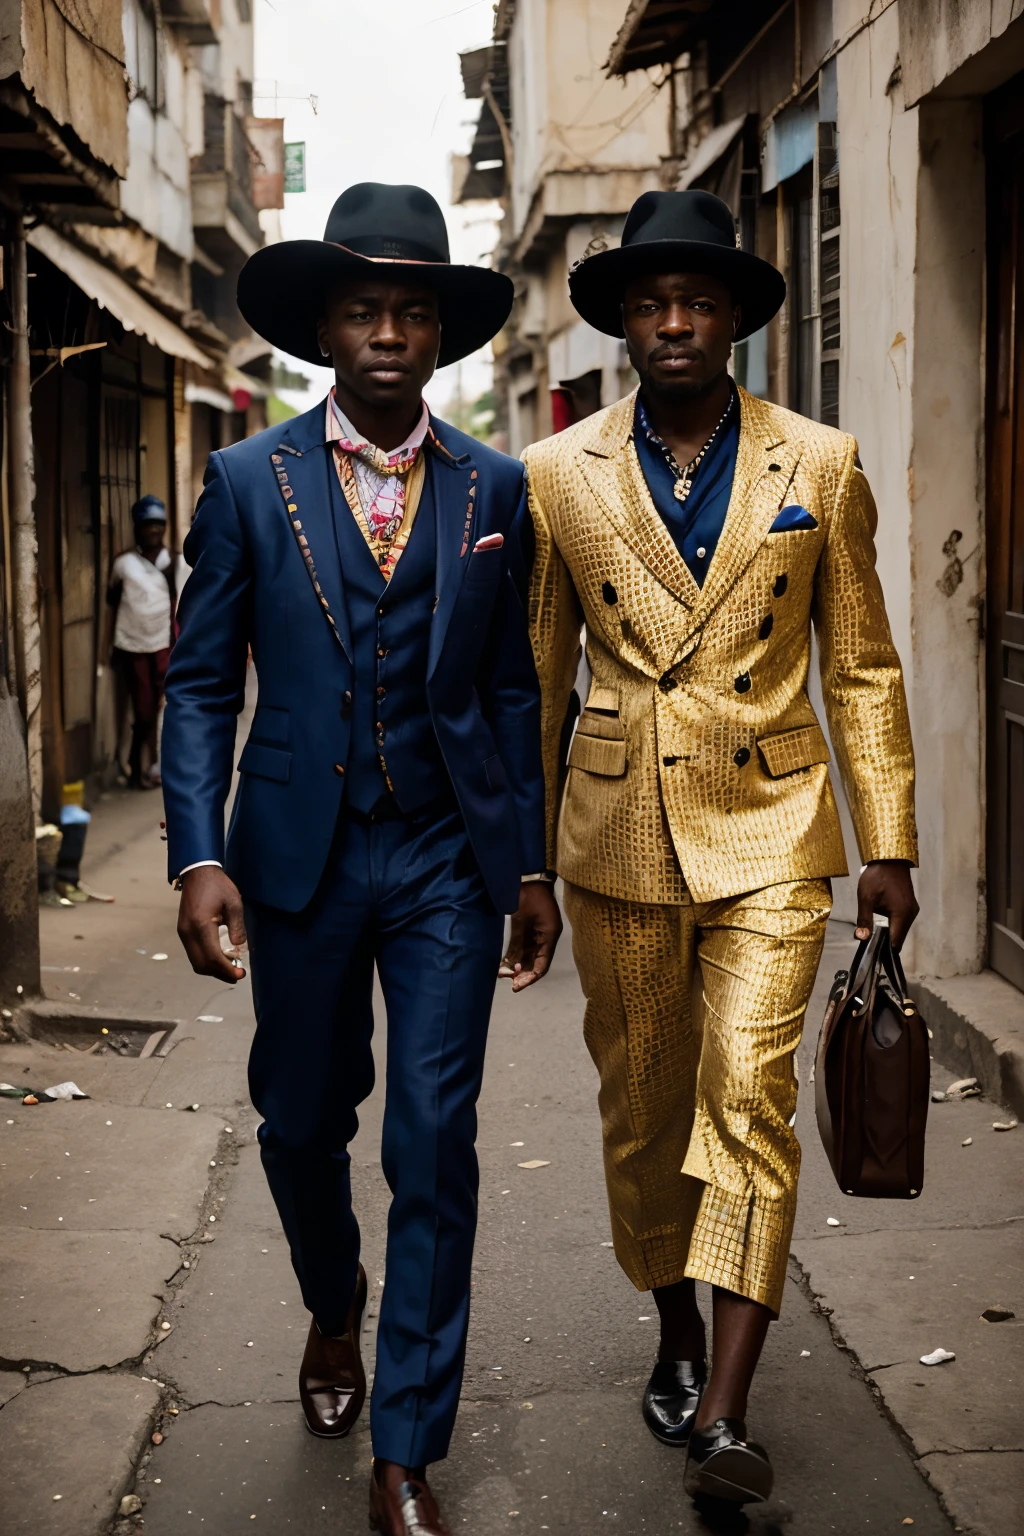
x: 142, y: 51
x: 827, y: 177
x: 812, y: 210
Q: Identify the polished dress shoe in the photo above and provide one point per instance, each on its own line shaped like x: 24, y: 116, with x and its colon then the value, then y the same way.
x: 723, y: 1464
x: 332, y: 1382
x: 409, y: 1509
x: 672, y: 1398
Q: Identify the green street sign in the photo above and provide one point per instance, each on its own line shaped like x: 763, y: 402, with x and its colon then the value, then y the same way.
x: 295, y: 167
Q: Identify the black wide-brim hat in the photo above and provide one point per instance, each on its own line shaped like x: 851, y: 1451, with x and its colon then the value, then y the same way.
x: 388, y: 233
x: 676, y: 232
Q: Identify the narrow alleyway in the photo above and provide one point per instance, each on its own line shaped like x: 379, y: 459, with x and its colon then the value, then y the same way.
x: 133, y: 1211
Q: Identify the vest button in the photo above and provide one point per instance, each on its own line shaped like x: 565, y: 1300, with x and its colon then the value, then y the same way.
x: 380, y: 613
x: 382, y: 693
x: 381, y: 650
x: 339, y: 769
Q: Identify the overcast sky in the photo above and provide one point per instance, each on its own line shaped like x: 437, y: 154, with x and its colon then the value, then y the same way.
x: 389, y: 107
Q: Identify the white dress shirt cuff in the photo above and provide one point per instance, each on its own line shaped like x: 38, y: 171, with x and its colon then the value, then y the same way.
x: 216, y: 864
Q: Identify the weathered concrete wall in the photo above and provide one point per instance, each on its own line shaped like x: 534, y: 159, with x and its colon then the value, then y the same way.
x: 947, y: 499
x: 566, y: 115
x: 911, y: 391
x: 79, y: 82
x: 878, y: 160
x: 157, y: 192
x: 938, y: 37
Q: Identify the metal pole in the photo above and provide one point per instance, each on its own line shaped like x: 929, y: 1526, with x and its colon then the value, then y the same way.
x: 21, y: 499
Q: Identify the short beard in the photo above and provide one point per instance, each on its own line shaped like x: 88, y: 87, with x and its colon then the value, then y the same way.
x: 679, y: 389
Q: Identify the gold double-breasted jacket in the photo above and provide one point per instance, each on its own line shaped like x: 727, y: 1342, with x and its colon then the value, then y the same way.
x: 699, y: 767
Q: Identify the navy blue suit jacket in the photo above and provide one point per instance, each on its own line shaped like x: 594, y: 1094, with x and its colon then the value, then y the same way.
x: 258, y: 580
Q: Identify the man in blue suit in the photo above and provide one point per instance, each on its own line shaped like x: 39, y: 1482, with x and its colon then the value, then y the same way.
x: 390, y: 806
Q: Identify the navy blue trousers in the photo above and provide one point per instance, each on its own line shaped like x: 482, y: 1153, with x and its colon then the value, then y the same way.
x: 407, y: 897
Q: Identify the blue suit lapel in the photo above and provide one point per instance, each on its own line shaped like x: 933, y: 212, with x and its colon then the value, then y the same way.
x: 301, y: 465
x: 456, y: 482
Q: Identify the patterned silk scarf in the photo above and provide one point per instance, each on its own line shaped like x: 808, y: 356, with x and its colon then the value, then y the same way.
x: 382, y: 489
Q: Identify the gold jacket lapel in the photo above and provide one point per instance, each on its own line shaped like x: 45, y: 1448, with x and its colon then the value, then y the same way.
x: 765, y: 465
x: 611, y: 469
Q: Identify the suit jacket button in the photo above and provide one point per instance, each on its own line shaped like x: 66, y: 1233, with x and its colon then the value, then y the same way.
x: 742, y: 683
x: 741, y: 756
x: 339, y: 769
x: 781, y: 583
x: 667, y: 683
x: 609, y: 593
x: 767, y: 625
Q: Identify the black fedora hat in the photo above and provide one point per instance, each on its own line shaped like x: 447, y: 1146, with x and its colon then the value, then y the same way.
x: 676, y: 232
x: 379, y: 231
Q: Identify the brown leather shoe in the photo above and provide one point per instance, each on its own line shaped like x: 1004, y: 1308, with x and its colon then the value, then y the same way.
x: 408, y: 1509
x: 332, y: 1382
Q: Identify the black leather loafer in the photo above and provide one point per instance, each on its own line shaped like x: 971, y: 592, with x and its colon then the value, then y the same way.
x: 723, y: 1464
x: 672, y: 1398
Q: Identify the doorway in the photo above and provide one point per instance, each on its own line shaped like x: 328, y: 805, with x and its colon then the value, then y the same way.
x: 1005, y: 530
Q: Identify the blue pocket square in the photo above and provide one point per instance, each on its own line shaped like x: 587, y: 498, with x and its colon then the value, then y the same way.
x: 792, y: 519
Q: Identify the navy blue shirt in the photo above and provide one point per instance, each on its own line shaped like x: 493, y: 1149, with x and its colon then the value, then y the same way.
x: 696, y: 523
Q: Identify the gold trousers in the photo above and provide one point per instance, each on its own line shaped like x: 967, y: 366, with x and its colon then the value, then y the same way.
x: 698, y: 1085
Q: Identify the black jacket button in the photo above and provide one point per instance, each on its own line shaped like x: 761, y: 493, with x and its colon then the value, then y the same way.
x: 774, y: 466
x: 667, y: 683
x: 781, y: 583
x: 609, y: 593
x: 741, y: 756
x: 742, y: 683
x: 767, y: 625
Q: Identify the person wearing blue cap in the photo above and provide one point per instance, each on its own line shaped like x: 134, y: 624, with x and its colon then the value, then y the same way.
x: 143, y: 593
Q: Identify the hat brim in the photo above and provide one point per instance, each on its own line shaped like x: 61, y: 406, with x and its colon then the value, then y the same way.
x: 282, y: 290
x: 597, y: 285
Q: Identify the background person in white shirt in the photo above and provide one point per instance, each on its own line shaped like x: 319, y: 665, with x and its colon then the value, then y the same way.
x: 143, y: 594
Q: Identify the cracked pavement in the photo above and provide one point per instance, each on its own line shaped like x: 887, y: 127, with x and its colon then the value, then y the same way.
x: 162, y: 1217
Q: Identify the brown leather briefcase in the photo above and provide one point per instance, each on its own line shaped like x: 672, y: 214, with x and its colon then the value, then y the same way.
x: 871, y: 1077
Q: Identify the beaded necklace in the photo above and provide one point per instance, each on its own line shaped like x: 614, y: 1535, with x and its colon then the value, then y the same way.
x: 684, y: 477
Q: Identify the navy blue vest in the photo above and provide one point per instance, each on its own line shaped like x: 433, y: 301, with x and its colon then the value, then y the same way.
x: 390, y: 625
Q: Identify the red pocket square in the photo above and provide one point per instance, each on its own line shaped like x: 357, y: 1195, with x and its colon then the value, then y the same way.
x: 492, y: 541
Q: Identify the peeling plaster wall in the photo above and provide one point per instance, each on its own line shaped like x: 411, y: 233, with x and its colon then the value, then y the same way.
x: 912, y: 258
x: 948, y: 489
x: 879, y: 163
x: 157, y: 192
x: 566, y: 114
x: 77, y: 76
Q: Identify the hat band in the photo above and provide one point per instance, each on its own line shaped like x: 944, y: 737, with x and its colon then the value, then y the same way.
x: 387, y: 248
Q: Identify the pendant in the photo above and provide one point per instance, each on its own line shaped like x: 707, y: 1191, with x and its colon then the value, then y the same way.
x: 681, y: 490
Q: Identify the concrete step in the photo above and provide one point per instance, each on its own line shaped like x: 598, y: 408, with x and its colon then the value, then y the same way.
x: 977, y: 1025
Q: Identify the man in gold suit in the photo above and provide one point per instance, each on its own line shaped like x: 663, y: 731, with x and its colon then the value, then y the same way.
x: 698, y: 533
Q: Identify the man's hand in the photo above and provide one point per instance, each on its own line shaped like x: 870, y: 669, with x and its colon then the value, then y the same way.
x: 886, y: 887
x: 535, y: 930
x: 209, y: 898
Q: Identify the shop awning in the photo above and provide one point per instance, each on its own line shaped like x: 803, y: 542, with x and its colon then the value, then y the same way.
x: 710, y: 149
x: 112, y: 292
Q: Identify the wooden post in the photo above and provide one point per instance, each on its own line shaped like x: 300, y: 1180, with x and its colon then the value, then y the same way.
x: 20, y: 742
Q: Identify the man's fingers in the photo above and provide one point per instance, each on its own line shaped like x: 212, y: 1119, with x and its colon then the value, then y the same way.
x: 901, y: 922
x: 865, y: 913
x: 201, y: 940
x: 235, y: 919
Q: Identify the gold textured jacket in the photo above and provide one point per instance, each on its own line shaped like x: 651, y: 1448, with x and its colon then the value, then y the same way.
x: 698, y: 735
